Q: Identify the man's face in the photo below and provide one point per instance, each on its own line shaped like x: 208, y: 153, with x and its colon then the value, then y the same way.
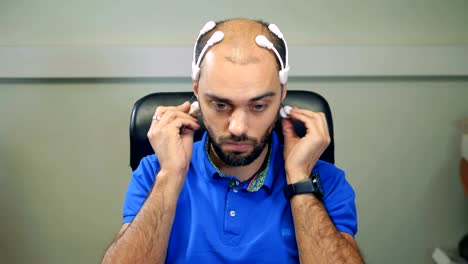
x: 239, y: 94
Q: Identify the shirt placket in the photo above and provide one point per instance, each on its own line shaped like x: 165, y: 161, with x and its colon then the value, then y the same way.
x: 233, y: 214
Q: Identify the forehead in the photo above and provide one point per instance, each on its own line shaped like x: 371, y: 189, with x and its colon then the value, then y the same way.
x: 238, y: 72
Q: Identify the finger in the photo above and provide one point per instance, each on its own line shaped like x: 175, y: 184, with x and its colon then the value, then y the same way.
x: 184, y: 107
x: 310, y: 114
x: 158, y: 113
x: 305, y: 112
x: 323, y: 117
x: 161, y: 110
x: 188, y: 124
x: 312, y: 121
x: 320, y: 116
x: 173, y: 127
x: 179, y: 119
x: 181, y: 126
x: 316, y: 124
x: 288, y: 128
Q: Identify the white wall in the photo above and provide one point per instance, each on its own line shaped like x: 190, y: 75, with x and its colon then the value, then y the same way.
x: 152, y: 22
x: 64, y: 143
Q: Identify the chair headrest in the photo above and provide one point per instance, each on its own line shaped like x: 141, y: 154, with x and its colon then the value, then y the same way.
x: 144, y: 108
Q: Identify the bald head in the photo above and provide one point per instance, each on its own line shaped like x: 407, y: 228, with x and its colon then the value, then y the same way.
x: 239, y: 41
x: 240, y: 30
x: 238, y: 44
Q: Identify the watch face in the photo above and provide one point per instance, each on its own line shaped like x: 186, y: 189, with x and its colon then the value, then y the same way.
x: 317, y: 185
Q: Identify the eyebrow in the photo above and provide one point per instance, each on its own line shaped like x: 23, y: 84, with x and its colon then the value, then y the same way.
x: 226, y: 100
x: 245, y: 61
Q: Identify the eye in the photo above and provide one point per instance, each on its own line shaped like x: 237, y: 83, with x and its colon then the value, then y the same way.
x: 220, y: 106
x: 259, y: 107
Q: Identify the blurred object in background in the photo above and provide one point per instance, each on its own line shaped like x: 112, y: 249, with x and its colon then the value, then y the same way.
x: 464, y: 158
x: 441, y: 256
x: 463, y: 247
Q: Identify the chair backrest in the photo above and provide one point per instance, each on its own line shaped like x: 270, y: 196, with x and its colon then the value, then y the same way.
x: 144, y: 108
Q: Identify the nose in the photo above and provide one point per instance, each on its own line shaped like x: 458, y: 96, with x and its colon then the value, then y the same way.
x: 238, y: 123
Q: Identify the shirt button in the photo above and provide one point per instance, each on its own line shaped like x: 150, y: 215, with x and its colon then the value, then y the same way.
x: 232, y: 213
x: 235, y: 190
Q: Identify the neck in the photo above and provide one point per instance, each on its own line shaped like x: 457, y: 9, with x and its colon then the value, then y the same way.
x: 243, y: 173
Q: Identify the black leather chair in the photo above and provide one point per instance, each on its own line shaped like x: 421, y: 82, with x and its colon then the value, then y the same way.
x: 144, y: 108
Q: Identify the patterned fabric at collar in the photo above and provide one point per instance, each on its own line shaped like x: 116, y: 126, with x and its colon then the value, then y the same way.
x: 256, y: 182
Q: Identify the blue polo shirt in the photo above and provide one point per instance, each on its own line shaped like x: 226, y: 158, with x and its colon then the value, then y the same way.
x: 220, y: 222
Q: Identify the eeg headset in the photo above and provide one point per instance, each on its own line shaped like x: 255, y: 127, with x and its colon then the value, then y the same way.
x: 215, y: 38
x: 194, y: 109
x: 261, y: 41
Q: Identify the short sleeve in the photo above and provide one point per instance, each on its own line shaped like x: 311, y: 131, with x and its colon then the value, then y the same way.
x: 339, y: 198
x: 139, y: 187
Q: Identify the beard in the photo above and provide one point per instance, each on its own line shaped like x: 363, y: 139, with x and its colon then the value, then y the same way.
x: 236, y: 158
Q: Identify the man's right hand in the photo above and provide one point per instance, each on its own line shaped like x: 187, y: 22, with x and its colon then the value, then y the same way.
x: 171, y: 136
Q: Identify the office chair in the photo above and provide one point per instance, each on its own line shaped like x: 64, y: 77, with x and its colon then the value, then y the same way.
x: 144, y: 108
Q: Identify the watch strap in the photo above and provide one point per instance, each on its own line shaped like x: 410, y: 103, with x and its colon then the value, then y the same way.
x: 310, y: 185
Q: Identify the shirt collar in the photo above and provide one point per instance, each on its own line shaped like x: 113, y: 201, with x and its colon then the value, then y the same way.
x: 263, y: 178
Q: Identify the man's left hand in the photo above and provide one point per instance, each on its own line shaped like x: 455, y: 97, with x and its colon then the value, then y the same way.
x: 301, y: 154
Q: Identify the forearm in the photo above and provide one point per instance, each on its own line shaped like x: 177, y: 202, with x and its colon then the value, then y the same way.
x: 317, y: 238
x: 146, y: 238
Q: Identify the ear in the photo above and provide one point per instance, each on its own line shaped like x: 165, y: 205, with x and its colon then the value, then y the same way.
x: 195, y: 87
x: 284, y: 92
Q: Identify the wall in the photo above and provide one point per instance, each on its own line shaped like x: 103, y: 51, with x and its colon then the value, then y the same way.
x: 64, y: 143
x: 150, y: 22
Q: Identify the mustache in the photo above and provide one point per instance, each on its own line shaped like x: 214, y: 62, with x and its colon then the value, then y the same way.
x: 234, y: 138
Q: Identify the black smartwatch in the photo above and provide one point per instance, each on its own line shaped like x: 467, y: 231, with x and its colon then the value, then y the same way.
x: 310, y: 185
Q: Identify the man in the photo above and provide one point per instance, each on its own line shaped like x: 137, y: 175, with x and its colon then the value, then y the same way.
x: 221, y: 200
